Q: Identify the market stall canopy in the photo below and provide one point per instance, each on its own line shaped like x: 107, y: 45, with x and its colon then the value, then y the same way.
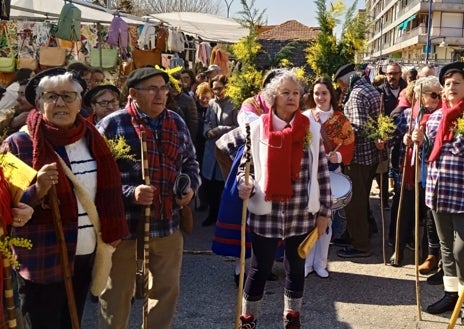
x: 50, y: 9
x: 205, y: 26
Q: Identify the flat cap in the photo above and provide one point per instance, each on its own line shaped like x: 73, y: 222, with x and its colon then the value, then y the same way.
x: 343, y: 70
x: 87, y: 100
x: 31, y: 87
x: 213, y: 67
x: 450, y: 68
x: 144, y: 73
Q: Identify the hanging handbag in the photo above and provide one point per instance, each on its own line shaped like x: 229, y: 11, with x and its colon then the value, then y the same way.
x: 7, y: 64
x: 27, y: 58
x: 105, y: 58
x: 52, y: 56
x: 143, y: 58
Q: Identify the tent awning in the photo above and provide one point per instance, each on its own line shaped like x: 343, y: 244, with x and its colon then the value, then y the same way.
x: 50, y: 9
x: 206, y: 26
x: 404, y: 25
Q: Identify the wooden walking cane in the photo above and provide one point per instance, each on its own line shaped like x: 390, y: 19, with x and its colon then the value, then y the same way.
x: 146, y: 235
x: 243, y: 230
x: 8, y: 287
x: 417, y: 218
x: 53, y: 199
x: 400, y: 202
x: 382, y: 216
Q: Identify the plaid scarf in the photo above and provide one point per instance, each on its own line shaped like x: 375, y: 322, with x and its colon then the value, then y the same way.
x: 285, y: 150
x: 108, y: 199
x: 445, y: 131
x: 163, y: 149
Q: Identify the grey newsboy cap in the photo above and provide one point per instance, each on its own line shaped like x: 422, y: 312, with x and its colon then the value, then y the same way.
x: 144, y: 73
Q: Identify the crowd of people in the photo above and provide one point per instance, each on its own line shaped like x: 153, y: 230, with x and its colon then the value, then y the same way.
x: 301, y: 140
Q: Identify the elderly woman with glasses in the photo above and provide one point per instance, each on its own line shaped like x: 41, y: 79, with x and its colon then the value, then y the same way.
x: 289, y: 194
x: 63, y: 147
x: 103, y: 100
x: 444, y: 193
x: 427, y: 92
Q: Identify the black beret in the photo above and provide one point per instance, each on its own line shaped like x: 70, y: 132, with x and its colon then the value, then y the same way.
x: 31, y: 87
x: 343, y: 70
x: 450, y: 68
x: 144, y: 73
x: 92, y: 92
x: 271, y: 74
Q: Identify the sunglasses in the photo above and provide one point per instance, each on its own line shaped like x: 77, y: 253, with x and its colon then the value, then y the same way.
x: 433, y: 95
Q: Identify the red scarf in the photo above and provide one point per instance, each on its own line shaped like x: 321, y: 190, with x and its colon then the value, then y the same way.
x: 445, y: 131
x: 409, y: 170
x: 108, y: 199
x: 285, y: 150
x: 160, y: 155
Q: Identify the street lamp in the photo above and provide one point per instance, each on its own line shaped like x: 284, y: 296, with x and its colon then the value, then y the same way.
x: 429, y: 46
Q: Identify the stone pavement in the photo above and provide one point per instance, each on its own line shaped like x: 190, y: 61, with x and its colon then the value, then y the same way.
x: 360, y: 293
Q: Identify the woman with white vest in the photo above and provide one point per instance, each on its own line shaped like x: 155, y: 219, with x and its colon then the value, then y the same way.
x: 289, y: 194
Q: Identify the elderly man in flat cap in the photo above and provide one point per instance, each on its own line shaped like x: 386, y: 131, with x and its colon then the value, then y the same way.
x: 361, y: 101
x: 170, y: 151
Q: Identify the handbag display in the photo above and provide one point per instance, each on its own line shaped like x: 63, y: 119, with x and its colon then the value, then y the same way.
x: 27, y: 63
x: 108, y: 60
x: 143, y: 58
x: 52, y: 56
x: 7, y: 64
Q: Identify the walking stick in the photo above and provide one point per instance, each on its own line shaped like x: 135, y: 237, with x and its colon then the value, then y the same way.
x: 417, y: 218
x: 400, y: 202
x: 146, y: 235
x: 457, y: 309
x: 53, y: 198
x: 243, y: 229
x: 8, y: 290
x: 382, y: 216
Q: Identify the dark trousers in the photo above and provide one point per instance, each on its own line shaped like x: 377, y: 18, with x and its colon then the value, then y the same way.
x: 213, y: 189
x: 45, y: 306
x: 357, y: 210
x: 262, y: 259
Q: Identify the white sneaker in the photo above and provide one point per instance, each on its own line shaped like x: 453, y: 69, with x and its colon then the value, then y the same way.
x: 322, y: 272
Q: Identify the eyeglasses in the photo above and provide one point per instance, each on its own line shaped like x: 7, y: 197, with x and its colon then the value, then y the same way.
x: 218, y: 88
x: 433, y: 95
x: 113, y: 102
x: 154, y: 90
x: 393, y: 73
x: 67, y: 96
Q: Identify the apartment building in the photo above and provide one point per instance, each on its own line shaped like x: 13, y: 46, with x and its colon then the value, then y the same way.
x: 404, y: 30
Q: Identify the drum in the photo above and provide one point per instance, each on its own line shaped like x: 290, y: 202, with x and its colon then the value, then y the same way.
x: 341, y: 190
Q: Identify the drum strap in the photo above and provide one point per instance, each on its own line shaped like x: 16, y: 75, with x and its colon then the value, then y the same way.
x: 324, y: 135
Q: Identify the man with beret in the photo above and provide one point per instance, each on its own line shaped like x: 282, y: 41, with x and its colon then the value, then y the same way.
x: 170, y: 151
x: 361, y: 102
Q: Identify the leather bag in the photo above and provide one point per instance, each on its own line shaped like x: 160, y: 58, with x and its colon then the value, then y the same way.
x: 143, y: 58
x: 52, y: 56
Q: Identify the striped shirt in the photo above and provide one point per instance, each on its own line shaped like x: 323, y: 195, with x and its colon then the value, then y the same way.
x: 445, y: 176
x: 364, y: 102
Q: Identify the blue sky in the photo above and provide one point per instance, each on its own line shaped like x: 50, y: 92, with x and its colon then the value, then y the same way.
x: 279, y: 11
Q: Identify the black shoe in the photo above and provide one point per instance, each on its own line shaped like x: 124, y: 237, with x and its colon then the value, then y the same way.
x: 445, y: 304
x: 400, y: 260
x: 208, y: 222
x: 436, y: 278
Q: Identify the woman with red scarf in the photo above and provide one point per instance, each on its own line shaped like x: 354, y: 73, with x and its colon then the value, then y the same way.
x: 427, y: 93
x: 444, y: 194
x: 289, y: 194
x: 58, y: 143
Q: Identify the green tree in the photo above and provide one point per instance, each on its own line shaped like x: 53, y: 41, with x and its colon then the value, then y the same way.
x: 246, y: 81
x: 326, y: 54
